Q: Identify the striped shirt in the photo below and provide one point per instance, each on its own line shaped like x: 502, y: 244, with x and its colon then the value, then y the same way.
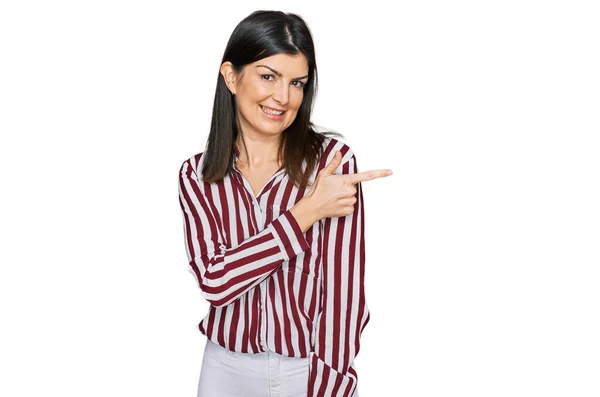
x: 270, y: 286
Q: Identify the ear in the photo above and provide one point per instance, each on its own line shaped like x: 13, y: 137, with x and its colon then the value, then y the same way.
x: 229, y: 75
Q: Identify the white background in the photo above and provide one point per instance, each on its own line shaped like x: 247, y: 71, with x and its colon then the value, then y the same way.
x: 483, y: 248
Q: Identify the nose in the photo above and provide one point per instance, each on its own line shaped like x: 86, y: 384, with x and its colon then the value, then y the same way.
x: 281, y: 94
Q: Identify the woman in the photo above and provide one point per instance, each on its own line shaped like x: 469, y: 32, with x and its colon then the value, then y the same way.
x: 274, y: 227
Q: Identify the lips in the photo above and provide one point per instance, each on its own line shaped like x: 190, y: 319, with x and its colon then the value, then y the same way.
x: 274, y: 109
x: 273, y: 116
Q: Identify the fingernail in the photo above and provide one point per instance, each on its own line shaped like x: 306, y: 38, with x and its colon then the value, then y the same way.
x: 389, y: 172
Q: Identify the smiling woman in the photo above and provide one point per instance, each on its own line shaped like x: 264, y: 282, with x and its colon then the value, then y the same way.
x: 265, y: 91
x: 282, y: 266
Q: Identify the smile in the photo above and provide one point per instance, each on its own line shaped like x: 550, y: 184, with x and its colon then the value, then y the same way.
x: 270, y: 111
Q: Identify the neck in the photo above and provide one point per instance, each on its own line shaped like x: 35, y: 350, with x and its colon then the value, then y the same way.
x: 257, y: 153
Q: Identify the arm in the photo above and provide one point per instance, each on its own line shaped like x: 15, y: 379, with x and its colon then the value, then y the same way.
x: 225, y: 274
x: 344, y: 311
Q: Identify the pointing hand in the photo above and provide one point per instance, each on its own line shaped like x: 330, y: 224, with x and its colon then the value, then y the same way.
x: 335, y: 195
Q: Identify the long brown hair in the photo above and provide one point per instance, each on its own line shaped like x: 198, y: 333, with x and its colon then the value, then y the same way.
x: 260, y: 35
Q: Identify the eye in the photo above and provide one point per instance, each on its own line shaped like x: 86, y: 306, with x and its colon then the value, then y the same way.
x: 268, y: 75
x: 301, y: 85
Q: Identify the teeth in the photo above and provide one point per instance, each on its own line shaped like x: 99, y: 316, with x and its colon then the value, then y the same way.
x: 270, y: 111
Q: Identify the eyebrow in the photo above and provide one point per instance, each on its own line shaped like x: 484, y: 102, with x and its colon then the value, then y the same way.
x: 279, y: 74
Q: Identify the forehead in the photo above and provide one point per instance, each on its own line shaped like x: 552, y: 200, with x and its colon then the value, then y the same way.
x: 289, y: 65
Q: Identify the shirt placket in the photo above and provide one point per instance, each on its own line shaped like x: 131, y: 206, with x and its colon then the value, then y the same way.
x: 260, y: 218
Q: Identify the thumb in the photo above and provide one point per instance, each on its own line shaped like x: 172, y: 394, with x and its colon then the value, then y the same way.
x: 334, y: 163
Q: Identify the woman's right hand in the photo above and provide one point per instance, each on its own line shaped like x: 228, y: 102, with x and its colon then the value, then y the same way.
x: 333, y: 195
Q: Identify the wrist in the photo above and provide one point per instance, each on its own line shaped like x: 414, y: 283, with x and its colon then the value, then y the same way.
x: 312, y: 207
x: 305, y: 213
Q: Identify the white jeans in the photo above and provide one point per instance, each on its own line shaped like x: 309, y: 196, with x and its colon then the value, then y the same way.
x: 267, y: 374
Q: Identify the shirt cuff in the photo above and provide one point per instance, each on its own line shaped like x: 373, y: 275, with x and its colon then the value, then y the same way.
x: 288, y: 235
x: 324, y: 381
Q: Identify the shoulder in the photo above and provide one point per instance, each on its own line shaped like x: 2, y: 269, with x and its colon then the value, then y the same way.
x: 330, y: 145
x: 191, y: 164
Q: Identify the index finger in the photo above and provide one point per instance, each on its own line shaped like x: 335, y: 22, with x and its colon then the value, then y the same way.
x: 367, y: 175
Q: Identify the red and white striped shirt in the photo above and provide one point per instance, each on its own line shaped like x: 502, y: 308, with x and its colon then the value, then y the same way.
x: 270, y: 286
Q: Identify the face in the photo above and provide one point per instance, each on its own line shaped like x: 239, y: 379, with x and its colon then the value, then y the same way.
x: 275, y: 82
